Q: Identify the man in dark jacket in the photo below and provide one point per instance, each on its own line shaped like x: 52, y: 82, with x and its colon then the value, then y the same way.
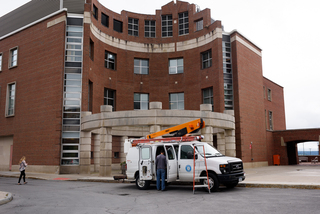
x: 161, y: 164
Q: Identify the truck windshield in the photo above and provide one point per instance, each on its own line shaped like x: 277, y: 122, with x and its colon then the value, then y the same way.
x: 210, y: 151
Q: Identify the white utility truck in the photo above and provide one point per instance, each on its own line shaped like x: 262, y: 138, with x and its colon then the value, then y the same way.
x: 188, y: 160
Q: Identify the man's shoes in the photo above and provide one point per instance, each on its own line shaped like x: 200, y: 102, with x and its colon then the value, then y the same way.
x: 25, y: 182
x: 19, y: 184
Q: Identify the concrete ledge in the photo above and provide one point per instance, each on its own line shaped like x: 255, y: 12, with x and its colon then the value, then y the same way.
x: 5, y: 197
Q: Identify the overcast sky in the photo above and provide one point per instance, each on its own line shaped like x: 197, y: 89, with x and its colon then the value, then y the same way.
x: 287, y: 31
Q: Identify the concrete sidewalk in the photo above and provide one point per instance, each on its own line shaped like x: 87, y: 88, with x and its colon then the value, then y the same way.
x: 302, y: 176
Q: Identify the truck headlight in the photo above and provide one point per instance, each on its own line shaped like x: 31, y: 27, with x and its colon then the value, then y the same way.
x: 224, y: 168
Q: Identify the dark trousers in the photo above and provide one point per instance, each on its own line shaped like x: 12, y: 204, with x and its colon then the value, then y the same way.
x: 22, y: 173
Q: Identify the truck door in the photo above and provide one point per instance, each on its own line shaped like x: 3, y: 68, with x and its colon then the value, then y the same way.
x: 145, y: 163
x: 185, y: 163
x: 171, y: 164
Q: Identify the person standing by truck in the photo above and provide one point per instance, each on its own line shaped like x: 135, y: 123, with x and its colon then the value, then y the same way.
x: 161, y: 164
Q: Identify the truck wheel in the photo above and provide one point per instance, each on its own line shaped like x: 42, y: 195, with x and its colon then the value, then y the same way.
x: 142, y: 185
x: 213, y: 182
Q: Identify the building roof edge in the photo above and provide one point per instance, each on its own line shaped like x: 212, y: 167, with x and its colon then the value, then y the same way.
x: 33, y: 23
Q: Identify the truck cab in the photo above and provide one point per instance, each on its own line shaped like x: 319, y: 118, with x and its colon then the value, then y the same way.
x: 183, y: 157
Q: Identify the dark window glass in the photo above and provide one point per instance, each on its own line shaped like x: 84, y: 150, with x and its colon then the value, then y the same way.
x: 104, y: 20
x: 117, y: 26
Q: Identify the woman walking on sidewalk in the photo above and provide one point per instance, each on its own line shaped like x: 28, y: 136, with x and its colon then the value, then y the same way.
x: 22, y: 169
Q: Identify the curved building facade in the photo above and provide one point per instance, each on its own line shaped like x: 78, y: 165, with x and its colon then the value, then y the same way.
x: 79, y: 58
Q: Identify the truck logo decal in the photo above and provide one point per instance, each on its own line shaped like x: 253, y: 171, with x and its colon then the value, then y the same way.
x: 188, y: 168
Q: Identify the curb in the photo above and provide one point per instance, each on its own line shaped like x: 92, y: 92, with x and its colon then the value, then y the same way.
x: 282, y: 186
x: 7, y: 199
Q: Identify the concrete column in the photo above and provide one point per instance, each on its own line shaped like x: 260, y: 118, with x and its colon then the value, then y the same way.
x: 230, y: 141
x: 96, y: 152
x: 221, y: 143
x: 105, y: 152
x: 105, y: 146
x: 207, y: 134
x: 207, y: 131
x: 122, y: 155
x: 85, y: 149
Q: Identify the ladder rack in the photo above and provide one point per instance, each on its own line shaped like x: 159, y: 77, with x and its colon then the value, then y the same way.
x: 135, y: 142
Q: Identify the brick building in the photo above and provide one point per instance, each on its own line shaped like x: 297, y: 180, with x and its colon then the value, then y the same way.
x: 77, y: 55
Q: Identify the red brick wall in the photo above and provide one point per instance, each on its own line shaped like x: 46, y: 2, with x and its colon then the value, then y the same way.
x: 36, y: 125
x: 248, y: 102
x: 159, y: 83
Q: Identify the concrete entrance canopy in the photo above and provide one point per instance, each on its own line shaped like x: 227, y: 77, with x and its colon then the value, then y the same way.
x: 139, y: 123
x: 285, y: 143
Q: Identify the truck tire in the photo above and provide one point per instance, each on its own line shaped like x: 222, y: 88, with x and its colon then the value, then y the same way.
x: 213, y: 181
x: 142, y: 185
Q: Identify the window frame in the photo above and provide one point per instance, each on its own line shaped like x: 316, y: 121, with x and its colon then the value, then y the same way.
x: 269, y: 94
x: 140, y: 101
x: 210, y: 96
x: 183, y: 25
x: 140, y: 66
x: 178, y: 101
x: 107, y: 62
x: 168, y: 32
x: 176, y: 67
x: 95, y: 12
x: 270, y: 118
x: 206, y: 61
x: 1, y: 61
x: 105, y: 17
x: 118, y: 22
x: 8, y: 96
x: 107, y: 98
x: 132, y: 23
x: 199, y: 24
x: 11, y: 57
x: 148, y: 24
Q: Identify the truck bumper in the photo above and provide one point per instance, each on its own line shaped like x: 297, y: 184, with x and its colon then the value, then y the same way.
x: 231, y: 178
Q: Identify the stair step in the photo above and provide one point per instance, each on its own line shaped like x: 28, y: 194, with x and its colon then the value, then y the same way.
x: 203, y: 185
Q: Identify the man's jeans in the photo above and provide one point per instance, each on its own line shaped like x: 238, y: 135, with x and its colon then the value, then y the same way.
x: 161, y: 173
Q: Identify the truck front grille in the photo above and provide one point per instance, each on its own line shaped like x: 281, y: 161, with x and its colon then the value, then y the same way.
x: 236, y: 167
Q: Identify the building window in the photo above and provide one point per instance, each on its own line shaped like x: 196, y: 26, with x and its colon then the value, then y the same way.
x: 141, y: 66
x: 10, y: 104
x: 110, y: 60
x: 117, y: 26
x: 110, y: 98
x: 199, y: 25
x: 177, y: 101
x: 141, y: 101
x: 13, y: 57
x: 166, y: 25
x: 95, y: 12
x: 183, y: 23
x: 133, y: 27
x: 0, y: 61
x: 208, y: 96
x: 270, y: 121
x: 150, y: 28
x: 227, y: 72
x: 206, y: 59
x: 175, y: 66
x: 91, y: 51
x: 269, y: 94
x: 104, y: 20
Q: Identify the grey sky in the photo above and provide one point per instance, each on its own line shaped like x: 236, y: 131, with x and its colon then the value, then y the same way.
x: 285, y: 30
